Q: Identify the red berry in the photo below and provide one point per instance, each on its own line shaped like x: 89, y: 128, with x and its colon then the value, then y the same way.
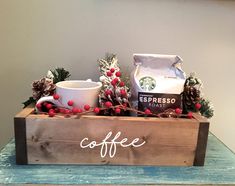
x: 190, y: 115
x: 124, y: 105
x: 87, y: 107
x: 123, y: 92
x: 121, y: 84
x: 114, y: 81
x: 51, y: 110
x: 118, y: 74
x: 62, y: 110
x: 112, y: 70
x: 70, y: 103
x: 39, y: 106
x: 57, y: 110
x: 178, y: 111
x: 96, y: 110
x: 75, y: 110
x: 56, y: 97
x: 147, y: 111
x: 117, y: 110
x: 108, y: 104
x: 48, y: 106
x: 79, y: 110
x: 198, y: 106
x: 67, y: 111
x: 51, y: 113
x: 109, y: 74
x: 108, y: 92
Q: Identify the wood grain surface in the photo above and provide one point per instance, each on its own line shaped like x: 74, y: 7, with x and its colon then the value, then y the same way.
x: 57, y: 140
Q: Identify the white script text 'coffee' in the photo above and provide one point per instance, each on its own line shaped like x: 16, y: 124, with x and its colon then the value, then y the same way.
x: 110, y: 147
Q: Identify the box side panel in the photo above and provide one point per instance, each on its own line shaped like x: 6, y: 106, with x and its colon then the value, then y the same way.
x: 20, y: 141
x: 201, y: 144
x: 57, y: 141
x: 20, y: 134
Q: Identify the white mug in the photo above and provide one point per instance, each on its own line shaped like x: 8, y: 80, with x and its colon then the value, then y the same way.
x: 81, y: 92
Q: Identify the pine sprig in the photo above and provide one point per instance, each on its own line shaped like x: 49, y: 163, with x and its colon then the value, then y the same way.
x: 126, y: 77
x: 110, y: 61
x: 29, y: 101
x: 206, y: 109
x: 60, y: 74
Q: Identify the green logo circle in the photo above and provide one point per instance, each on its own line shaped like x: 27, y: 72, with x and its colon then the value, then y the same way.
x: 147, y: 83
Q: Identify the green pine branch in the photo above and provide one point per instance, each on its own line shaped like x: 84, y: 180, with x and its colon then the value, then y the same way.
x: 29, y: 101
x: 206, y: 108
x: 60, y: 74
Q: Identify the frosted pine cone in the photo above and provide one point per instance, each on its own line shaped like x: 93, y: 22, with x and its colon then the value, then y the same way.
x: 191, y: 96
x: 43, y: 87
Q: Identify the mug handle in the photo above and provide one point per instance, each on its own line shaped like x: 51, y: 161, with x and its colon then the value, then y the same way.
x: 48, y: 99
x: 90, y: 80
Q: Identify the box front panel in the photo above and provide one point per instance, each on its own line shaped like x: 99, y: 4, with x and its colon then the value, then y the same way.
x: 111, y: 140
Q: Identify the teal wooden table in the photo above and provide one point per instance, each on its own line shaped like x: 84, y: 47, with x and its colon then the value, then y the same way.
x: 219, y: 169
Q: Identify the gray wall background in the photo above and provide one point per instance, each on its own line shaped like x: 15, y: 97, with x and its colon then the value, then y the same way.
x: 37, y: 35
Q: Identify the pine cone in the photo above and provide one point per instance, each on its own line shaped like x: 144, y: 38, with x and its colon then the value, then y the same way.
x: 43, y: 87
x: 191, y: 96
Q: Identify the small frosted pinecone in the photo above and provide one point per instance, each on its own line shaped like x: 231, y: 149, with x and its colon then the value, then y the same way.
x: 191, y: 96
x: 43, y: 87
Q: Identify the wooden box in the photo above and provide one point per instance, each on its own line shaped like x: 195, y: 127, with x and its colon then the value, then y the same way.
x: 134, y: 141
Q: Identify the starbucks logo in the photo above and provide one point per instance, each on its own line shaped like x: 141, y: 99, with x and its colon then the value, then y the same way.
x: 147, y: 83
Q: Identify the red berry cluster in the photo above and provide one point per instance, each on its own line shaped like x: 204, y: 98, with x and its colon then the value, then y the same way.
x: 177, y: 112
x: 117, y: 109
x: 115, y: 77
x: 52, y: 110
x: 114, y: 96
x: 189, y: 115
